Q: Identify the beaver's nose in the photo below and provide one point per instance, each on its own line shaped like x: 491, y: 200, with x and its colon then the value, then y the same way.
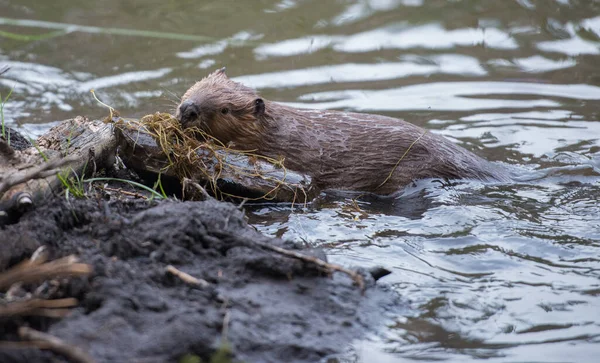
x: 188, y: 111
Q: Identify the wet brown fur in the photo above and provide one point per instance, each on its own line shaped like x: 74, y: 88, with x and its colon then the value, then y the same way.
x: 340, y: 150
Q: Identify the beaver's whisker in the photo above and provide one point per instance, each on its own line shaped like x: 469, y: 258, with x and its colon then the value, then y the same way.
x: 167, y: 99
x: 207, y: 127
x: 168, y: 107
x: 170, y: 100
x: 177, y: 98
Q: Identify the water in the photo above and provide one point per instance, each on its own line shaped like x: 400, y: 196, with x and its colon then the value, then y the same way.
x: 502, y: 272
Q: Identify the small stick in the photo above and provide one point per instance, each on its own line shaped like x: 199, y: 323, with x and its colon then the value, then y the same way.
x: 225, y: 330
x: 42, y: 171
x: 326, y: 266
x: 39, y: 256
x: 55, y: 344
x: 187, y: 182
x: 187, y: 278
x: 40, y: 307
x: 355, y: 276
x: 26, y: 273
x: 241, y: 206
x: 125, y: 192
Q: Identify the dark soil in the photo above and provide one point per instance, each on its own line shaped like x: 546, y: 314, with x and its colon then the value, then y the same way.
x: 131, y: 310
x: 17, y: 141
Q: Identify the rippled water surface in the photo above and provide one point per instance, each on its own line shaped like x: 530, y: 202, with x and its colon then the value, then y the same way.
x: 502, y: 272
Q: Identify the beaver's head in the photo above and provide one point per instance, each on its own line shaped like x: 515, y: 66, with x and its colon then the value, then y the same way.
x: 226, y: 110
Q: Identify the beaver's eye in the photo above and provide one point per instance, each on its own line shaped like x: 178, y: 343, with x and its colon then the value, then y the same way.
x: 259, y: 106
x: 224, y: 110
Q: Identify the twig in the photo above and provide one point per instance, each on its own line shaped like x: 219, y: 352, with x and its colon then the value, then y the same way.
x: 225, y: 330
x: 187, y: 278
x: 42, y: 171
x: 27, y: 273
x: 326, y: 266
x: 49, y: 308
x: 355, y: 276
x: 124, y: 192
x: 203, y: 191
x: 55, y: 344
x: 38, y: 257
x: 4, y: 69
x: 244, y: 201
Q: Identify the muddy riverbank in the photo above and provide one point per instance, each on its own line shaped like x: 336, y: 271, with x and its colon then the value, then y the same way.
x: 265, y: 306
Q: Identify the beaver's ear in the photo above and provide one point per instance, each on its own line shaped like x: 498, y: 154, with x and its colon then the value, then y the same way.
x: 218, y: 72
x: 259, y: 107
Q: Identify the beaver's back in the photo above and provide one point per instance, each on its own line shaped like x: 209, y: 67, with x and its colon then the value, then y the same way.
x: 367, y: 152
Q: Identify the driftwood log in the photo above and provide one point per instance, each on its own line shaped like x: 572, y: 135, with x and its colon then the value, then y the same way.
x: 79, y: 147
x: 73, y: 147
x: 231, y: 174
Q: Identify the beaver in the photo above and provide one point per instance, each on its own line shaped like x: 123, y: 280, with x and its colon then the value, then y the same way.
x: 339, y: 150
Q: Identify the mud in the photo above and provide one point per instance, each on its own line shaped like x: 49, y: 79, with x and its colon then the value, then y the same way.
x: 17, y: 140
x: 267, y: 307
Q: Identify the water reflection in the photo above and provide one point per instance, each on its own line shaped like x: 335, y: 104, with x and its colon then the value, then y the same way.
x: 498, y: 272
x: 487, y: 269
x: 352, y: 72
x: 451, y: 96
x: 576, y: 44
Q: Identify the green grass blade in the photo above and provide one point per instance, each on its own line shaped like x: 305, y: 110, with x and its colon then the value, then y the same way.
x: 38, y: 149
x: 29, y: 38
x: 2, y: 103
x: 3, y: 134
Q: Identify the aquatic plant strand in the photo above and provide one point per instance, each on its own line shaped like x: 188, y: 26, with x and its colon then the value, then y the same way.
x: 184, y: 152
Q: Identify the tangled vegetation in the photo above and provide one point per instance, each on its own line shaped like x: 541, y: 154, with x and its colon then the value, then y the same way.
x: 193, y: 154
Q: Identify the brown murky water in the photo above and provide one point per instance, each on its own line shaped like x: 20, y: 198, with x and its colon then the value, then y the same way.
x: 503, y: 272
